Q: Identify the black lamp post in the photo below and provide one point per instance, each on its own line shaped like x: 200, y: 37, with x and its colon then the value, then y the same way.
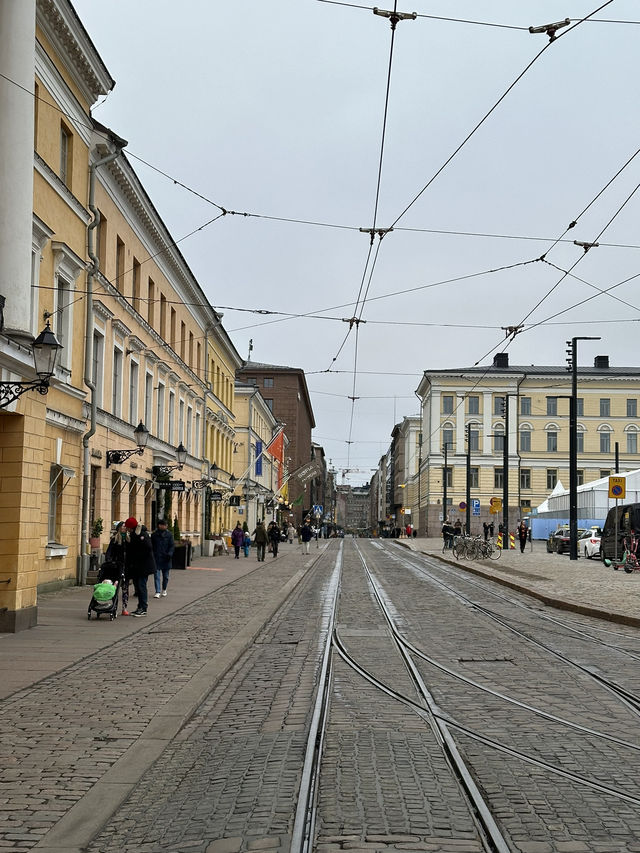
x: 163, y: 470
x: 141, y: 434
x: 45, y: 354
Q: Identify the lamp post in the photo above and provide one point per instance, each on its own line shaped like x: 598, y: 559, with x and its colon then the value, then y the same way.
x: 468, y: 495
x: 573, y: 444
x: 141, y: 435
x: 163, y: 470
x: 445, y: 484
x: 45, y: 354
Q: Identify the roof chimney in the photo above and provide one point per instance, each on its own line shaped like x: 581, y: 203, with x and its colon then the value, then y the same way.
x: 601, y: 362
x: 501, y: 359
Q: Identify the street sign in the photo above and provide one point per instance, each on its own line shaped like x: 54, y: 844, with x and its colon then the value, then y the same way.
x: 617, y: 487
x: 495, y: 502
x: 317, y: 509
x: 174, y: 486
x: 216, y: 497
x: 496, y: 506
x: 475, y: 506
x: 462, y: 505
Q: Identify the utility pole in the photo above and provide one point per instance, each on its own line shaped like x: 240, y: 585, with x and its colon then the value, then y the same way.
x: 573, y: 445
x: 419, y: 484
x: 444, y: 484
x: 468, y: 510
x: 505, y: 473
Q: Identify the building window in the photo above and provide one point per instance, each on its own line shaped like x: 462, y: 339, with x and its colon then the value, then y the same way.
x: 632, y: 442
x: 447, y: 439
x: 605, y: 473
x: 116, y: 387
x: 552, y: 405
x: 474, y: 405
x: 580, y: 407
x: 96, y: 369
x: 552, y: 441
x: 172, y: 328
x: 552, y: 478
x: 498, y: 478
x: 498, y: 406
x: 181, y: 422
x: 447, y: 404
x: 189, y: 428
x: 525, y: 440
x: 135, y: 286
x: 251, y: 380
x: 172, y: 414
x: 55, y: 498
x: 267, y: 382
x: 101, y: 240
x: 473, y: 478
x: 449, y: 472
x: 632, y: 408
x: 498, y: 440
x: 133, y: 393
x: 605, y: 442
x: 66, y: 153
x: 269, y: 403
x: 580, y: 474
x: 148, y: 400
x: 160, y: 412
x: 183, y: 340
x: 163, y: 317
x: 116, y: 489
x: 525, y: 478
x: 151, y: 303
x: 120, y: 259
x: 580, y: 441
x: 474, y: 437
x: 196, y: 448
x: 525, y: 405
x: 605, y: 407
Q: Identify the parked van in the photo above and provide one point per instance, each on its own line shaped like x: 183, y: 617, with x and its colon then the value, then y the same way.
x: 628, y: 516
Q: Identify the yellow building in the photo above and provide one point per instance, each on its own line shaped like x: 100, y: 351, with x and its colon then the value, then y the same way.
x: 82, y: 247
x: 463, y: 408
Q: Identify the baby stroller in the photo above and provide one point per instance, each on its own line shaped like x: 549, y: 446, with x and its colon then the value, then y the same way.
x: 104, y: 600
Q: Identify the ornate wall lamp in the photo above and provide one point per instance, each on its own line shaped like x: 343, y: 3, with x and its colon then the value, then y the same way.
x: 45, y: 354
x: 163, y: 470
x: 141, y: 434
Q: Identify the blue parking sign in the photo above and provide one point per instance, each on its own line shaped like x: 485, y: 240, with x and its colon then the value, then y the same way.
x: 475, y: 506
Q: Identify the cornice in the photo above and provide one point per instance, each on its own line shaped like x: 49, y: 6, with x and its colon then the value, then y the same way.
x: 119, y: 328
x: 63, y: 28
x: 102, y: 312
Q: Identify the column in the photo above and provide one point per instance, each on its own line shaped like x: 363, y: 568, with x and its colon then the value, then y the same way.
x: 17, y: 62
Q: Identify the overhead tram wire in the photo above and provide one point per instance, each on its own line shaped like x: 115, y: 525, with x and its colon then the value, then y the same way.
x: 493, y: 108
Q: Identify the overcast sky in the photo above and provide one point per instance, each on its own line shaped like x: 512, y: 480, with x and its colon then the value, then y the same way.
x: 277, y: 109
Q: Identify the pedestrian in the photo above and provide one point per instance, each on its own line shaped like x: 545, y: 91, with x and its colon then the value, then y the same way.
x: 274, y: 538
x: 485, y: 527
x: 116, y: 553
x: 457, y: 527
x: 522, y: 535
x: 139, y: 561
x: 260, y: 538
x: 491, y: 529
x: 163, y: 546
x: 291, y: 532
x: 247, y: 543
x: 305, y: 536
x: 408, y: 531
x: 237, y: 539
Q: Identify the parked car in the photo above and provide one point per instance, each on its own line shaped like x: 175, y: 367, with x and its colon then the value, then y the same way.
x: 552, y: 540
x: 589, y: 545
x: 628, y: 524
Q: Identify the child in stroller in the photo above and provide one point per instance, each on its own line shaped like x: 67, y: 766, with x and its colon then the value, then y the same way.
x: 105, y: 593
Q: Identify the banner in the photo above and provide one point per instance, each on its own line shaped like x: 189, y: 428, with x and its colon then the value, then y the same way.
x: 307, y: 471
x: 258, y: 458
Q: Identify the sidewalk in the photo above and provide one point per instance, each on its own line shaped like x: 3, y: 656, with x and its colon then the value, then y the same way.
x: 583, y: 586
x: 64, y: 636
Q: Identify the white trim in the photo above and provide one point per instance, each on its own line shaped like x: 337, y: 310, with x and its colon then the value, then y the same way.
x: 47, y: 173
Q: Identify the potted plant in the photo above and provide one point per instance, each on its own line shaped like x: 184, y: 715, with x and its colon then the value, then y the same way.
x: 96, y: 530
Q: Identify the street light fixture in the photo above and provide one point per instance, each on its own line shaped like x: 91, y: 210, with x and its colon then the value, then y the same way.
x: 206, y: 481
x: 163, y: 470
x: 141, y: 434
x: 45, y: 354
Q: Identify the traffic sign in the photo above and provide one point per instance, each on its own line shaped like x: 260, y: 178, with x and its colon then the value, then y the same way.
x: 462, y: 505
x: 317, y: 509
x: 496, y: 506
x: 617, y: 487
x: 475, y: 506
x: 495, y: 502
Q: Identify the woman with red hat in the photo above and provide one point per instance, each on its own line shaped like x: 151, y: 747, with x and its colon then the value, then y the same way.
x: 140, y: 561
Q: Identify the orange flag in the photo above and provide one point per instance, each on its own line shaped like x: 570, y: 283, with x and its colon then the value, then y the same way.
x: 276, y: 449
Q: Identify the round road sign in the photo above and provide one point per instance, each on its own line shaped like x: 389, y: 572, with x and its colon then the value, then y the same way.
x: 462, y: 505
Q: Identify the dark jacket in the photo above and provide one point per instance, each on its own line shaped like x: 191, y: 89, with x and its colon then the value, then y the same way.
x: 305, y: 533
x: 274, y: 533
x: 163, y: 546
x: 139, y: 553
x: 237, y: 537
x: 116, y: 550
x: 260, y: 535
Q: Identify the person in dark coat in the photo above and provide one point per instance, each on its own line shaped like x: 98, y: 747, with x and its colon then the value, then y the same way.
x: 274, y: 538
x: 116, y: 553
x: 139, y: 561
x: 522, y: 535
x: 305, y: 535
x: 237, y: 539
x: 163, y: 546
x: 260, y: 538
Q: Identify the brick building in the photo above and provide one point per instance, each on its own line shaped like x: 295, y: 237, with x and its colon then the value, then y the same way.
x: 286, y: 394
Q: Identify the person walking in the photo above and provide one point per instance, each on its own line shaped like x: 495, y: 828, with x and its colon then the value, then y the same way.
x: 260, y: 538
x: 116, y: 553
x: 237, y: 539
x: 522, y: 535
x: 305, y: 535
x: 246, y: 545
x: 291, y: 532
x: 485, y: 528
x: 274, y: 538
x: 139, y: 561
x: 163, y: 546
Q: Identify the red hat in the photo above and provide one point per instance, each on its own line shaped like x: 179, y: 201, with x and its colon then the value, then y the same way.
x: 131, y: 523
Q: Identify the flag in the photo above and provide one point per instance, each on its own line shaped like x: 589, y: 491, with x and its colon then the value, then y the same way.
x: 298, y: 500
x: 276, y: 449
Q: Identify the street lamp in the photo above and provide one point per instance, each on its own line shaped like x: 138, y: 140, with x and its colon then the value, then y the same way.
x: 45, y: 354
x: 206, y: 481
x: 141, y: 434
x: 163, y: 470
